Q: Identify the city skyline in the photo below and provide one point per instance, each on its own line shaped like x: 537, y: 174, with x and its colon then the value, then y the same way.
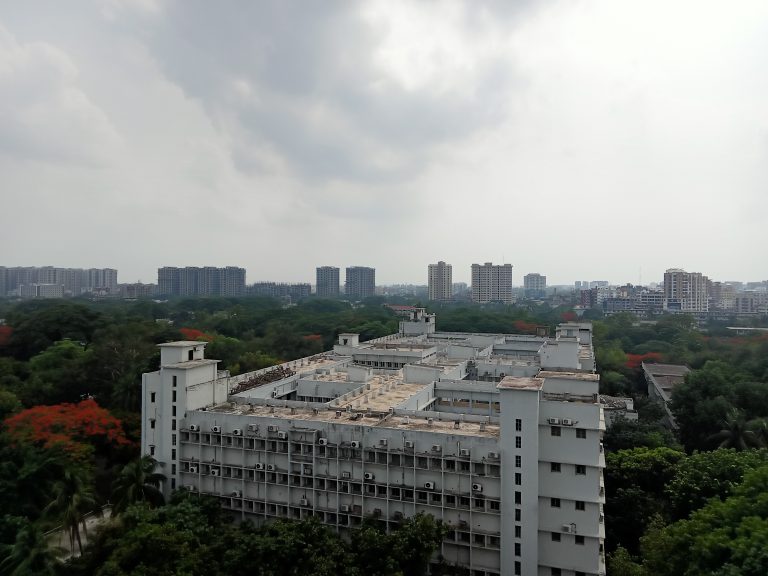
x: 280, y: 136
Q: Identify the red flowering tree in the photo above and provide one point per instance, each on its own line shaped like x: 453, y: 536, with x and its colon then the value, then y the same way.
x: 5, y: 335
x: 634, y: 361
x: 523, y: 327
x: 71, y: 427
x: 569, y: 316
x: 195, y: 334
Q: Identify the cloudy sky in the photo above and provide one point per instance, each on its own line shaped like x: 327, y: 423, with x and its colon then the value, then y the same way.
x: 579, y: 139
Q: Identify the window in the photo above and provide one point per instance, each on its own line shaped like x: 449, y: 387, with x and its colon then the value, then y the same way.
x: 556, y: 572
x: 517, y: 514
x: 580, y: 540
x: 152, y: 396
x: 579, y: 505
x: 555, y: 536
x: 173, y: 411
x: 518, y: 497
x: 175, y: 380
x: 518, y: 424
x: 518, y: 461
x: 173, y: 454
x: 173, y: 471
x: 518, y: 478
x: 581, y: 469
x: 554, y: 502
x: 173, y: 439
x: 152, y: 424
x: 518, y: 442
x: 555, y: 431
x: 518, y: 568
x: 554, y: 467
x: 518, y: 532
x: 173, y: 424
x: 151, y: 450
x: 517, y: 548
x: 174, y: 396
x: 581, y: 433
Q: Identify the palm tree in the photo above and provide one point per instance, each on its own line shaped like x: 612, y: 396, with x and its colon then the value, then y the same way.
x: 735, y: 433
x: 137, y: 482
x: 760, y: 428
x: 74, y: 499
x: 29, y: 554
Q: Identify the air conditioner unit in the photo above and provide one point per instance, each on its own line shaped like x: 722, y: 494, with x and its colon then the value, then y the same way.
x: 409, y: 444
x: 477, y: 487
x: 429, y: 485
x: 216, y: 429
x: 259, y: 466
x: 464, y: 452
x: 398, y: 515
x: 383, y: 442
x: 272, y: 428
x: 274, y: 393
x: 193, y: 469
x: 190, y: 487
x: 569, y: 528
x: 437, y: 448
x: 368, y: 476
x: 252, y: 427
x: 194, y: 428
x: 237, y: 494
x: 237, y: 432
x: 344, y: 508
x: 282, y: 435
x: 304, y: 502
x: 215, y: 471
x: 568, y: 422
x: 355, y: 444
x: 307, y: 471
x: 271, y: 468
x: 493, y: 455
x: 346, y: 475
x: 553, y: 420
x: 323, y: 441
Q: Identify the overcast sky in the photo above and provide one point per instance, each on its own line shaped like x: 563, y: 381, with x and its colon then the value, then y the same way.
x: 579, y: 139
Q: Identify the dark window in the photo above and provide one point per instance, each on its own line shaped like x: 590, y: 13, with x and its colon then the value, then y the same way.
x: 152, y: 424
x: 518, y: 461
x: 554, y: 467
x: 518, y: 424
x: 518, y: 442
x: 555, y: 431
x: 579, y: 505
x: 517, y: 514
x: 555, y: 536
x: 580, y: 540
x: 517, y: 548
x: 556, y: 572
x: 518, y: 478
x: 581, y: 469
x: 518, y: 497
x: 152, y: 397
x: 518, y: 532
x: 175, y: 379
x: 174, y: 395
x: 191, y: 355
x: 581, y: 433
x: 554, y: 502
x: 518, y: 568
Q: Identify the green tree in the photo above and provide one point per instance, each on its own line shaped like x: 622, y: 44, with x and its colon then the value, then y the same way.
x: 58, y: 374
x: 73, y: 499
x: 735, y: 433
x: 620, y: 562
x: 137, y: 482
x: 29, y: 555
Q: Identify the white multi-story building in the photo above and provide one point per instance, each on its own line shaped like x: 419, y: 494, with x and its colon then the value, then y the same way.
x: 535, y: 285
x: 492, y: 283
x: 440, y: 281
x: 497, y: 435
x: 685, y: 291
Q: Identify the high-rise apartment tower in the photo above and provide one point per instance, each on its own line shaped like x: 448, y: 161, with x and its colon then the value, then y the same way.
x: 492, y: 283
x: 327, y: 282
x: 440, y: 279
x: 360, y: 282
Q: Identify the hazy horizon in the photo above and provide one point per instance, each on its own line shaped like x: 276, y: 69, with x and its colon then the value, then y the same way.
x: 588, y: 140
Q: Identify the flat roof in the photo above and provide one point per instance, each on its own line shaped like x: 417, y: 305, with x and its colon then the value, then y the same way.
x: 182, y: 344
x: 520, y: 383
x: 666, y: 369
x: 191, y: 364
x: 584, y: 376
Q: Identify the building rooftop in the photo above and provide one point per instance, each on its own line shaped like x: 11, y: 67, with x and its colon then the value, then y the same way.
x: 191, y: 363
x: 666, y: 369
x: 520, y: 383
x: 584, y: 376
x: 182, y: 344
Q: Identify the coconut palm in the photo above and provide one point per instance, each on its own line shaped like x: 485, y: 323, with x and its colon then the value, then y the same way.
x: 74, y: 498
x: 137, y: 482
x: 29, y: 554
x: 735, y: 433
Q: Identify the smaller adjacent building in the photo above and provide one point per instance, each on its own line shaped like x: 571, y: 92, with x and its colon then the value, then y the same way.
x: 327, y: 283
x: 661, y: 380
x: 535, y: 285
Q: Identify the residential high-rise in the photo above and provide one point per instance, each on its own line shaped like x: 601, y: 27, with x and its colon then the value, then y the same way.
x: 685, y: 291
x: 360, y: 282
x: 492, y: 283
x: 72, y: 281
x: 440, y: 281
x: 535, y: 285
x: 207, y: 281
x: 497, y: 435
x: 327, y: 282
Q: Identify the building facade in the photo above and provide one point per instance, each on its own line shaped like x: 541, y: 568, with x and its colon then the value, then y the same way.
x: 535, y: 285
x: 327, y: 284
x: 440, y: 281
x: 33, y: 281
x: 492, y: 283
x: 206, y: 281
x: 292, y: 292
x: 360, y: 282
x: 498, y: 435
x: 685, y: 291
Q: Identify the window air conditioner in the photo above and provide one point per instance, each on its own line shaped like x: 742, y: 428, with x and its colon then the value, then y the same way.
x: 237, y: 432
x: 216, y: 429
x: 477, y: 487
x: 429, y: 485
x: 368, y: 476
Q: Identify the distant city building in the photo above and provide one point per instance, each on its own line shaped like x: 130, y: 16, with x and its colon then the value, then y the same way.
x: 751, y: 303
x: 327, y: 283
x: 535, y: 285
x: 207, y: 281
x: 440, y: 281
x: 137, y: 290
x: 661, y: 380
x: 73, y: 281
x: 492, y: 283
x: 360, y: 282
x: 685, y: 291
x: 294, y: 292
x: 722, y: 296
